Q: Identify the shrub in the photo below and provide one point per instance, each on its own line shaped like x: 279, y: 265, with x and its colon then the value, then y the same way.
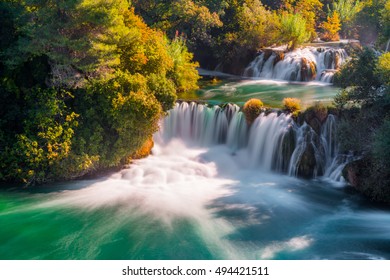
x: 293, y: 30
x: 382, y: 145
x: 318, y: 110
x: 252, y: 109
x: 383, y: 68
x: 291, y: 105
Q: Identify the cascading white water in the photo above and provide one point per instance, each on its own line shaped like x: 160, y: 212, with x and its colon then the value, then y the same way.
x: 264, y: 140
x: 263, y: 144
x: 303, y: 64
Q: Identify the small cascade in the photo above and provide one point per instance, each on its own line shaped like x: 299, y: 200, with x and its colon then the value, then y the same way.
x: 306, y: 64
x: 274, y: 142
x: 307, y: 158
x: 265, y: 140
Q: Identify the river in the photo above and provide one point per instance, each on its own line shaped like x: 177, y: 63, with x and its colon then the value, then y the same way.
x: 193, y: 200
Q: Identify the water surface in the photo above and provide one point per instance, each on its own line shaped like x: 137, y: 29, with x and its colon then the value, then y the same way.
x: 185, y: 202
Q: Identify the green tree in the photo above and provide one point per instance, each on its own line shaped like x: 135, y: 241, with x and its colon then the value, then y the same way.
x: 347, y: 11
x: 83, y: 86
x: 293, y: 30
x: 309, y: 10
x: 80, y: 38
x: 186, y: 17
x: 385, y: 23
x: 359, y: 77
x: 257, y: 25
x: 368, y: 20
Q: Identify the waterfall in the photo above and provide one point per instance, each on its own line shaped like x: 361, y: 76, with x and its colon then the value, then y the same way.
x: 274, y: 142
x: 387, y: 46
x: 304, y: 64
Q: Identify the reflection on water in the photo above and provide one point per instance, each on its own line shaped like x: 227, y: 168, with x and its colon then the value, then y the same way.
x: 271, y: 92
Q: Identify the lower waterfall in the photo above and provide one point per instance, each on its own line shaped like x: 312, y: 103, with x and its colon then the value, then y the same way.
x: 274, y: 142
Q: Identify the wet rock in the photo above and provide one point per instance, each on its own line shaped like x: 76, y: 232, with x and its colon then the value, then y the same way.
x: 288, y: 147
x: 279, y: 56
x: 307, y: 163
x: 267, y: 53
x: 308, y: 70
x: 315, y: 124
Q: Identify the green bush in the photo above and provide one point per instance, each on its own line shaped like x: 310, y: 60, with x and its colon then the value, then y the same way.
x: 383, y: 67
x: 87, y: 98
x: 293, y: 30
x: 381, y: 145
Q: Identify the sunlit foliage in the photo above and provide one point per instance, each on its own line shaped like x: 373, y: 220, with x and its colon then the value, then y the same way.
x: 332, y: 27
x: 293, y: 30
x: 83, y: 86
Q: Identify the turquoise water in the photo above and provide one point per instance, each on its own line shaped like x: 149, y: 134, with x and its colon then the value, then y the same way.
x: 191, y: 203
x: 271, y: 93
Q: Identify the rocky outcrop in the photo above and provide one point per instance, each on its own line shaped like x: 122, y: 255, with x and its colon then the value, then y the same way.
x: 308, y: 70
x: 237, y: 62
x: 359, y: 174
x: 279, y: 56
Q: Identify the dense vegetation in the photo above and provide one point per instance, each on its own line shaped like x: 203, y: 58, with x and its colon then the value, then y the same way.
x: 364, y: 128
x: 82, y: 85
x: 230, y: 32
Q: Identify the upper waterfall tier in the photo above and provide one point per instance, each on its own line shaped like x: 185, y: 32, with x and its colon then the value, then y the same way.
x: 306, y: 64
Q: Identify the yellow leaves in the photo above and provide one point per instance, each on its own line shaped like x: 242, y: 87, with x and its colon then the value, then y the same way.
x: 139, y: 58
x: 331, y: 27
x: 292, y: 104
x: 119, y: 101
x: 383, y: 68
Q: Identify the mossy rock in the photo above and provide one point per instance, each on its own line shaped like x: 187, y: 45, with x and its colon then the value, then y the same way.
x: 252, y: 109
x: 319, y: 111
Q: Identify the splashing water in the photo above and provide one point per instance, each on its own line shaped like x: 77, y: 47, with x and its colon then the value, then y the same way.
x: 303, y: 64
x: 263, y: 145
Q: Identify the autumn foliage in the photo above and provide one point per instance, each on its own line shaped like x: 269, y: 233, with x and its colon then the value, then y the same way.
x: 252, y: 109
x: 332, y: 27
